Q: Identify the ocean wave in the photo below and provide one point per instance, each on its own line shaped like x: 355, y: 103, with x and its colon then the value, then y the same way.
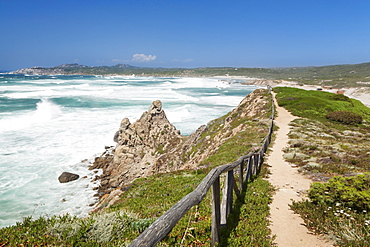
x: 46, y: 110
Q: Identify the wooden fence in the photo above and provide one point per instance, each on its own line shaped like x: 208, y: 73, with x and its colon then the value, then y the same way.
x: 247, y: 166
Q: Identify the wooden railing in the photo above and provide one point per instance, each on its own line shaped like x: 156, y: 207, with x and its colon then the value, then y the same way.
x: 248, y: 166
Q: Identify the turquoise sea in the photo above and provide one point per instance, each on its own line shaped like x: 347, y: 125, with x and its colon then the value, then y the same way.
x: 51, y: 124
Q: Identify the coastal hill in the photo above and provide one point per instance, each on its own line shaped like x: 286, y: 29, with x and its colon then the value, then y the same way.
x: 349, y: 75
x: 152, y: 144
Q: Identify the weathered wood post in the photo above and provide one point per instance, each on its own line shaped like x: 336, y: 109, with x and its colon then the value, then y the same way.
x: 249, y: 169
x: 227, y: 197
x: 216, y: 217
x: 255, y: 163
x: 241, y: 169
x: 260, y: 161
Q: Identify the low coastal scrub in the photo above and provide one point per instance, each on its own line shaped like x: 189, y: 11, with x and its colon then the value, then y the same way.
x: 339, y: 209
x: 345, y: 117
x: 107, y: 229
x: 316, y: 105
x: 331, y: 143
x: 320, y: 146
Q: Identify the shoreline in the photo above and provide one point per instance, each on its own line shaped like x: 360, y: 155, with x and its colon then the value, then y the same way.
x: 359, y: 92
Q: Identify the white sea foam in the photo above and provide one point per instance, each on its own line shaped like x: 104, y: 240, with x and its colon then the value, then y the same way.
x: 54, y: 135
x: 45, y: 111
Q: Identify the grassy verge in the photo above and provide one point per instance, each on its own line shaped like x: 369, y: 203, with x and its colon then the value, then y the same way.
x: 335, y: 152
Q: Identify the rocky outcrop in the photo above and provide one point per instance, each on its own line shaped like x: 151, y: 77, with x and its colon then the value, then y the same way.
x: 153, y: 145
x: 66, y: 177
x: 39, y: 71
x: 142, y: 149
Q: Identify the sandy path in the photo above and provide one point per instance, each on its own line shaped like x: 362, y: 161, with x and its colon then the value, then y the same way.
x: 287, y: 226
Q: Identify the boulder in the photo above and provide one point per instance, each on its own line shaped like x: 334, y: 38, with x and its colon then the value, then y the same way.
x: 66, y: 177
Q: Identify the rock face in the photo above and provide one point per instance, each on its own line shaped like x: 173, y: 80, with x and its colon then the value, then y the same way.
x: 152, y: 144
x: 142, y: 148
x: 66, y: 177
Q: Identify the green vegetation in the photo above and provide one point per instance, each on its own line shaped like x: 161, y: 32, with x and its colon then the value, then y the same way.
x: 330, y: 140
x: 248, y: 224
x: 322, y: 147
x: 108, y: 229
x: 317, y: 104
x: 339, y: 208
x: 345, y: 117
x: 353, y: 192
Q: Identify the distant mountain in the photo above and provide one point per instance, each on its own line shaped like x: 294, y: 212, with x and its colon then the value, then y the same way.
x: 75, y: 69
x: 71, y: 65
x: 343, y: 75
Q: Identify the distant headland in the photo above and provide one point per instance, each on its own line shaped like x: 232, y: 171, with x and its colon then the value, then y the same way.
x: 349, y: 75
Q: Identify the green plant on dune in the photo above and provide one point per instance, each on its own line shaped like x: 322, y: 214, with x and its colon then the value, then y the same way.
x: 339, y: 209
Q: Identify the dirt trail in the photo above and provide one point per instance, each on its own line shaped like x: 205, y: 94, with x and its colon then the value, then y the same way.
x: 288, y: 227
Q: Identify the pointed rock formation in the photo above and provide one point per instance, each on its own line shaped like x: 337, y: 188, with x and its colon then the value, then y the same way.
x: 141, y: 148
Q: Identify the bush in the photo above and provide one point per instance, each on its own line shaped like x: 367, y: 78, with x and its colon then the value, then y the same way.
x: 353, y: 192
x: 346, y: 117
x: 340, y: 97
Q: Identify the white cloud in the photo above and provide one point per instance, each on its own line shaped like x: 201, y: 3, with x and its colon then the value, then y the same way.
x: 142, y: 58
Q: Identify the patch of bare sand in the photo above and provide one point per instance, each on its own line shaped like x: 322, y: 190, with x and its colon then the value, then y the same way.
x: 288, y: 227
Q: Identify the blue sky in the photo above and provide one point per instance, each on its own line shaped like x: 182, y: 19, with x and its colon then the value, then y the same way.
x: 184, y: 33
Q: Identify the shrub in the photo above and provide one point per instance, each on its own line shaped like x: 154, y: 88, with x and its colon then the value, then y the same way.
x: 353, y: 192
x: 346, y: 117
x: 340, y: 97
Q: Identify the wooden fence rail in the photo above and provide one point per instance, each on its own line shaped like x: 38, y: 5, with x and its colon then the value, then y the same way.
x: 249, y: 165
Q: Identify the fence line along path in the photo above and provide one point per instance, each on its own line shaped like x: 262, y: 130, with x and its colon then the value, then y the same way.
x: 247, y: 166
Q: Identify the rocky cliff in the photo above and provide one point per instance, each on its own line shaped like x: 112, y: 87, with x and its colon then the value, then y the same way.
x: 153, y: 145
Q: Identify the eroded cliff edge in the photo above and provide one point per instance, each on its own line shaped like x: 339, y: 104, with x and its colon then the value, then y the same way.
x: 153, y: 145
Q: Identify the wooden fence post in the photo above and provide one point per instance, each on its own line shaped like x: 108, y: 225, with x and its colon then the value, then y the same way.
x: 216, y: 217
x: 255, y: 163
x: 249, y: 169
x: 241, y: 169
x: 227, y: 197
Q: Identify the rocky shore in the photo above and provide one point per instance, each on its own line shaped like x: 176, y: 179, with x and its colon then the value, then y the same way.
x: 152, y: 145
